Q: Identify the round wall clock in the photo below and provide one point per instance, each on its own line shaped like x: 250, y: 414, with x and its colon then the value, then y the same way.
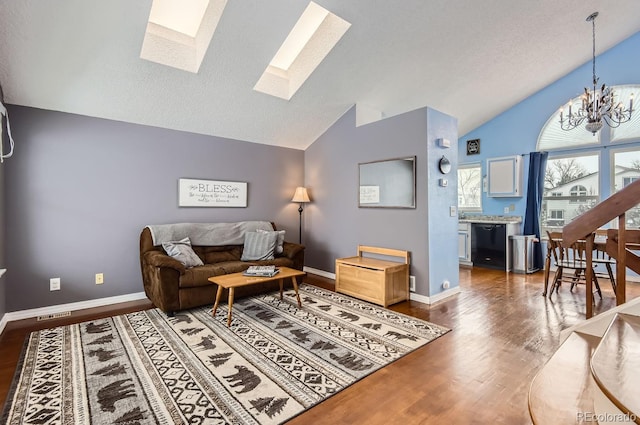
x: 444, y: 165
x: 473, y: 147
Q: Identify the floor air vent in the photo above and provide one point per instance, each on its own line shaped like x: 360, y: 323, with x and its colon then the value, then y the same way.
x: 54, y: 316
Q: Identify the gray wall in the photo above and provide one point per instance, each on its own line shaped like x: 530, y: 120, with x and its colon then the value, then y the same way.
x: 79, y: 191
x: 334, y: 224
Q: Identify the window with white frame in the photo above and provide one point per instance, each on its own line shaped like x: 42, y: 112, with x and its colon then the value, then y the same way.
x: 573, y: 179
x: 626, y: 170
x: 578, y: 190
x: 556, y: 218
x: 469, y: 187
x: 556, y: 214
x: 552, y: 137
x: 630, y: 130
x: 578, y: 193
x: 571, y: 188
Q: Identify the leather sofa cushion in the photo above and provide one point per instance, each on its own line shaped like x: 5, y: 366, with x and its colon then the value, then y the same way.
x: 198, y: 276
x: 278, y: 262
x: 219, y: 254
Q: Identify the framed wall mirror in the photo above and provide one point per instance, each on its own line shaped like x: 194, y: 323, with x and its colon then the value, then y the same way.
x: 389, y: 183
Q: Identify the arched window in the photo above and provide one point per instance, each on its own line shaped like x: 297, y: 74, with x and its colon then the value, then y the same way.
x: 552, y: 137
x: 578, y: 194
x: 574, y: 182
x: 578, y: 191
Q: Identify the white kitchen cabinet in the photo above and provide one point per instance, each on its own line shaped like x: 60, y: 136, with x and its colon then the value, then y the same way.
x: 504, y: 176
x: 464, y: 243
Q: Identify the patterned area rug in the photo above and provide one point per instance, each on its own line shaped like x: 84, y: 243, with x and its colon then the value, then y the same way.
x: 274, y: 362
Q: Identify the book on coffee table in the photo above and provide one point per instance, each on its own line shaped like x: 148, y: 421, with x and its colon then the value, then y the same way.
x: 261, y: 271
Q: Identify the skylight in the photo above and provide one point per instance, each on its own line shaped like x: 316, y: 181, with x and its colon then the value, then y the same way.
x: 309, y: 42
x: 178, y: 32
x: 180, y: 16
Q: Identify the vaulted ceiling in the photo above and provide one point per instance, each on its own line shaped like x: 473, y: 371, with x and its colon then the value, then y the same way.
x: 469, y: 59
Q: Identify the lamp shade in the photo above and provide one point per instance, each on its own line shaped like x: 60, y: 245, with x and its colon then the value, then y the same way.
x: 300, y: 195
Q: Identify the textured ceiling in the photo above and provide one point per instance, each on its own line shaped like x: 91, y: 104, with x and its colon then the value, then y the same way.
x: 470, y: 59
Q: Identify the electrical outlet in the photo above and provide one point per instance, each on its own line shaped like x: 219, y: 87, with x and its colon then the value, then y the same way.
x: 506, y: 210
x: 412, y: 284
x: 54, y: 284
x: 99, y: 278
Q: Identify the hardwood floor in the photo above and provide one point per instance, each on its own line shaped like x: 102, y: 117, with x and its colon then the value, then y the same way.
x: 503, y: 331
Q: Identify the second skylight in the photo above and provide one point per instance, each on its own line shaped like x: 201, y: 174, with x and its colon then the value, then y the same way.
x: 312, y: 38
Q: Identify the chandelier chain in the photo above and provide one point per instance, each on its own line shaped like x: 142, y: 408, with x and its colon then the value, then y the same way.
x: 593, y: 29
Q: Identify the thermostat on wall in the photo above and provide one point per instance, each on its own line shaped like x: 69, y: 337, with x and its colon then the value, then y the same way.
x: 444, y: 143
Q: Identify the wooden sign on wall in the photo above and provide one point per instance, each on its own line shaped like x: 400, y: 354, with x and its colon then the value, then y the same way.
x: 211, y: 193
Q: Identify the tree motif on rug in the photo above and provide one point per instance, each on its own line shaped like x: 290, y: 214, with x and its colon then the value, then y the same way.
x: 272, y: 363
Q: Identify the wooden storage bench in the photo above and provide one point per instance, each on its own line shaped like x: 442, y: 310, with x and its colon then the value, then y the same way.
x: 378, y: 281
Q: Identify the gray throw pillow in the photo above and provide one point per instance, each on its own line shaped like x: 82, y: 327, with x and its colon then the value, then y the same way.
x: 259, y: 246
x: 181, y: 250
x: 279, y: 243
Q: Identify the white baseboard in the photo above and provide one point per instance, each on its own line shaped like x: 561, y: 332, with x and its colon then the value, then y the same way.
x: 3, y: 323
x: 319, y: 272
x: 61, y: 308
x: 4, y: 320
x: 412, y: 296
x: 435, y: 298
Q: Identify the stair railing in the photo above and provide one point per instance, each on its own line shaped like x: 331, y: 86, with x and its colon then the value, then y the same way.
x: 584, y: 226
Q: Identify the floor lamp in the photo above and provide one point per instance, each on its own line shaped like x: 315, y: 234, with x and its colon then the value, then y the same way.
x: 300, y: 197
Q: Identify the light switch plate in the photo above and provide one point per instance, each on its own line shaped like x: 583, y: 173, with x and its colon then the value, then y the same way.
x: 452, y: 211
x: 54, y: 284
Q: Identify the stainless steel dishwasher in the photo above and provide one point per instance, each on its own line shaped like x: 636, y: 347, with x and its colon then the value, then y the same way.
x: 489, y: 245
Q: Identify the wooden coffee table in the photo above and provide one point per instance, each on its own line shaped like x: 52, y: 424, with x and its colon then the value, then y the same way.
x: 234, y: 280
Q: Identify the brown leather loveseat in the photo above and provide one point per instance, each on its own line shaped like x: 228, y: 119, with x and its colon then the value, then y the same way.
x: 171, y: 286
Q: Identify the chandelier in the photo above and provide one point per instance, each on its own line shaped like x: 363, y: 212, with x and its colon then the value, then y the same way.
x: 598, y: 105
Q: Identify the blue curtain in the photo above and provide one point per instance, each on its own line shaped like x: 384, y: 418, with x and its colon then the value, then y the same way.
x: 537, y: 166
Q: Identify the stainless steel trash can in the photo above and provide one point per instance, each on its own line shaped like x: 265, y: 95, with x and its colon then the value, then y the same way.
x: 522, y: 253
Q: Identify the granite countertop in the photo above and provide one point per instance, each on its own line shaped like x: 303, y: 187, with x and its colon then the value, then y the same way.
x: 498, y: 219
